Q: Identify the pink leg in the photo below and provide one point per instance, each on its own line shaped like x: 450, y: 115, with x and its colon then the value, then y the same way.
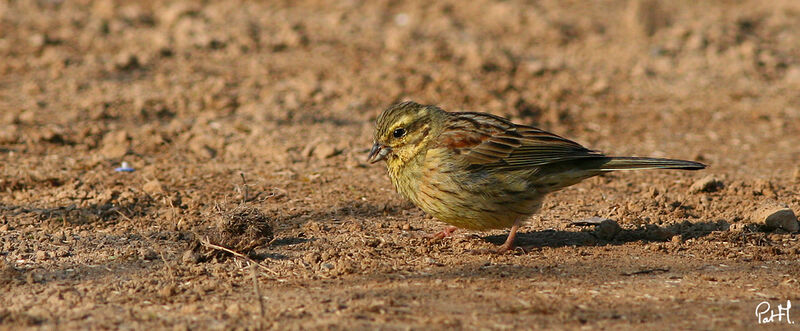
x: 446, y: 232
x: 509, y: 244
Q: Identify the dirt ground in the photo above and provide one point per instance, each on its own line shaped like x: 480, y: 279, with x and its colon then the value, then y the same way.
x: 248, y: 124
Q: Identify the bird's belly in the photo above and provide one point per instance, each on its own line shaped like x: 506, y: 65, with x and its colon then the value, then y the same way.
x: 477, y: 201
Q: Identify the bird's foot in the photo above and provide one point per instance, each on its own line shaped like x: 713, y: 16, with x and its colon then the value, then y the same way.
x: 507, y: 247
x: 446, y: 232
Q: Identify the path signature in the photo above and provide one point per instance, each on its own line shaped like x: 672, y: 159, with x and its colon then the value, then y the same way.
x: 764, y: 308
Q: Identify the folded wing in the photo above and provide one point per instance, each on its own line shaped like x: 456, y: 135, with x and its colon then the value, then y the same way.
x: 487, y: 140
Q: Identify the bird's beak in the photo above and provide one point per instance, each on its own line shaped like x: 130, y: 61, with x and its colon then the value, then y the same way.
x: 378, y: 152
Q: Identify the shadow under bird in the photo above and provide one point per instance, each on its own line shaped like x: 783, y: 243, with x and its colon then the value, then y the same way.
x: 479, y: 171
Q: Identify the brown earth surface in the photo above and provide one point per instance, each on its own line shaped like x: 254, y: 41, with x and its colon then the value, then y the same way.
x: 248, y: 123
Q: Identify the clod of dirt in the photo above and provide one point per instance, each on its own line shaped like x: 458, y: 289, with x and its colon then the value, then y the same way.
x: 344, y: 267
x: 607, y: 230
x: 37, y: 40
x: 127, y: 61
x: 324, y: 151
x: 9, y: 134
x: 42, y: 255
x: 774, y: 215
x: 320, y: 150
x: 646, y: 16
x: 51, y: 135
x: 764, y: 187
x: 177, y: 10
x: 22, y: 318
x: 190, y: 256
x: 591, y: 221
x: 8, y: 274
x: 739, y: 227
x: 241, y: 230
x: 148, y: 254
x: 153, y: 188
x: 115, y: 144
x: 707, y: 184
x: 792, y: 75
x: 201, y: 149
x: 657, y: 233
x: 167, y: 291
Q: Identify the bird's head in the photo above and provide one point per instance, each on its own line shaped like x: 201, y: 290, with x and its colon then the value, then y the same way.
x: 403, y: 131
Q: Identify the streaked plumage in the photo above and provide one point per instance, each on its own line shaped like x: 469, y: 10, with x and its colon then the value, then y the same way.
x: 479, y: 171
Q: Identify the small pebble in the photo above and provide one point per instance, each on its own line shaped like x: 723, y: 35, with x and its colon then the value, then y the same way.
x: 707, y: 184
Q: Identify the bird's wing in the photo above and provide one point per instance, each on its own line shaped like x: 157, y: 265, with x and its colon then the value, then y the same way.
x: 484, y: 139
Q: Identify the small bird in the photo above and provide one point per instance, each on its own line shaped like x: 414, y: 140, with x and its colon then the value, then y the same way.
x: 479, y: 171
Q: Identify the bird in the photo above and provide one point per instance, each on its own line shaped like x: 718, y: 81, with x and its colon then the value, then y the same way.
x: 479, y: 171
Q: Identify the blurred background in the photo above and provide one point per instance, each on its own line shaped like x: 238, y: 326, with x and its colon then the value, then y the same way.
x: 233, y: 78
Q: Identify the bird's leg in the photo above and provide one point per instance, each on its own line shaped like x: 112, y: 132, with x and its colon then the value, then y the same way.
x: 509, y: 244
x: 446, y: 232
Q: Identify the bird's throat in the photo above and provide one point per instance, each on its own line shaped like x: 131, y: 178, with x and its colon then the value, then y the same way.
x: 405, y: 174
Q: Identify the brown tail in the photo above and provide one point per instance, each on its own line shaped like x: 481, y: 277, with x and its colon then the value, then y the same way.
x: 638, y: 163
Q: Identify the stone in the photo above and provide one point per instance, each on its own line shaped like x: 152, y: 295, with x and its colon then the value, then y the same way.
x: 607, y: 230
x: 774, y: 215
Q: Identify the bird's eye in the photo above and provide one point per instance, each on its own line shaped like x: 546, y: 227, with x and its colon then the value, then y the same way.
x: 399, y: 132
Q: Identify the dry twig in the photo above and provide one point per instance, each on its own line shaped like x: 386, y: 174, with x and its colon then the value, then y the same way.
x: 255, y: 289
x: 205, y: 242
x: 645, y: 271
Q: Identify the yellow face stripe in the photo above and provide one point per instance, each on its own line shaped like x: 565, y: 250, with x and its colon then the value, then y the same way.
x: 407, y: 119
